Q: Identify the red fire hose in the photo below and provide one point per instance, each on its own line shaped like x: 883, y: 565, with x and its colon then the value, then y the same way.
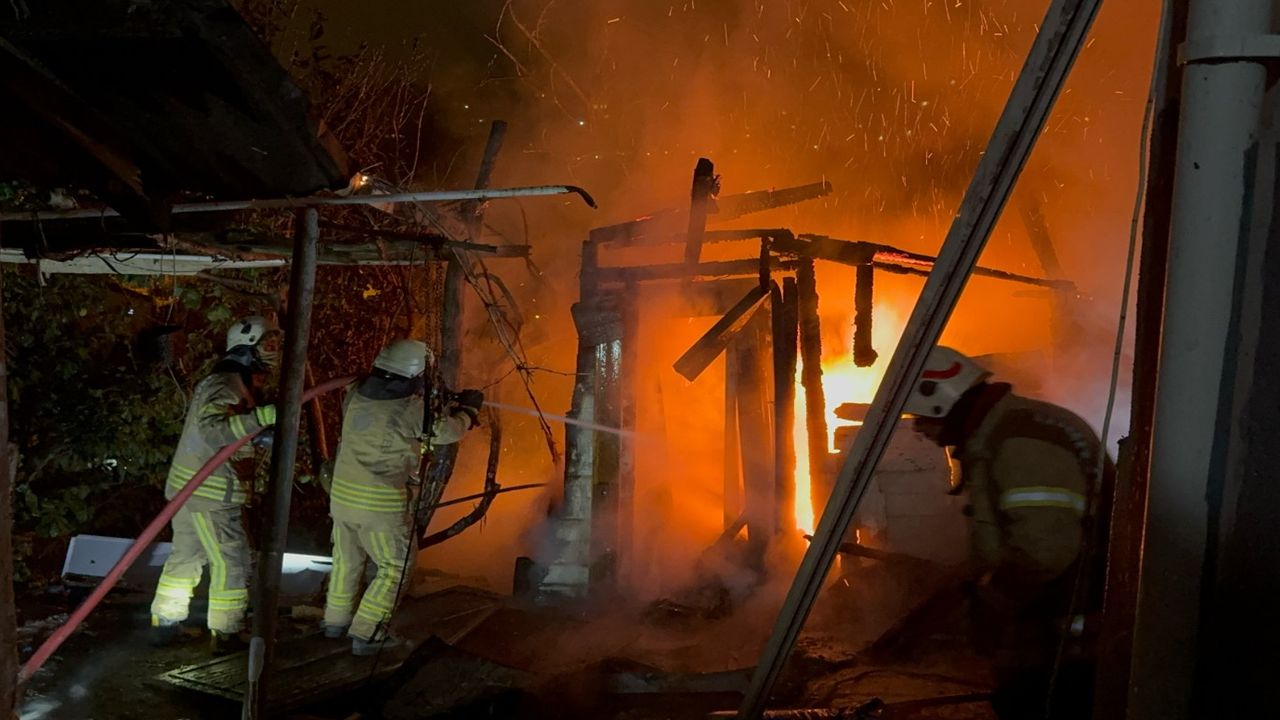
x: 144, y: 541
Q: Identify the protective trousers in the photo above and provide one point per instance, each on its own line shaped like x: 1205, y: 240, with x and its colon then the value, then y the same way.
x: 206, y: 532
x: 387, y: 543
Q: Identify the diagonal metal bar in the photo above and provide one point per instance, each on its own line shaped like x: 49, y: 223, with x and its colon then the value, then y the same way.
x: 1061, y: 36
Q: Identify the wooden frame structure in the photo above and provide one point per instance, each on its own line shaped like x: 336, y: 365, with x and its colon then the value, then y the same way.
x: 768, y: 326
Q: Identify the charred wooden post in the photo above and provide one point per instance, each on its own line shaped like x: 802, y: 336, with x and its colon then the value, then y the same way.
x: 732, y: 466
x: 864, y: 354
x: 629, y: 388
x: 754, y: 412
x: 706, y: 184
x: 302, y: 285
x: 784, y: 408
x: 451, y: 324
x: 585, y: 531
x: 815, y: 401
x: 606, y: 468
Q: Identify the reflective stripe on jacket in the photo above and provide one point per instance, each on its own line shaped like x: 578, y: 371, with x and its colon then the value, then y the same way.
x: 221, y: 412
x: 1028, y: 466
x: 379, y: 452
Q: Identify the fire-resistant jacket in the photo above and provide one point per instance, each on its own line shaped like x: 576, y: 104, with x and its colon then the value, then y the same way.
x: 221, y: 412
x: 1029, y: 466
x: 381, y: 446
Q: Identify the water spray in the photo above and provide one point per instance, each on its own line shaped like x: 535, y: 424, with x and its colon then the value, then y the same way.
x: 561, y: 418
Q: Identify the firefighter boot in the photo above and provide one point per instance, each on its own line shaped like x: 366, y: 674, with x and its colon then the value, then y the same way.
x: 225, y: 643
x: 164, y: 632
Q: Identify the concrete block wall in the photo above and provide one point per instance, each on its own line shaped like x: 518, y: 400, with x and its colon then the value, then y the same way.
x: 906, y: 508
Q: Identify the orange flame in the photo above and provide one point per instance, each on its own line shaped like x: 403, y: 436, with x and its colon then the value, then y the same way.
x: 842, y: 382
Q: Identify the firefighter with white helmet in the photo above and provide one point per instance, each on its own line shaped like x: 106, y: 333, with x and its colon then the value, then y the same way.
x: 208, y: 529
x: 1030, y: 470
x: 376, y: 464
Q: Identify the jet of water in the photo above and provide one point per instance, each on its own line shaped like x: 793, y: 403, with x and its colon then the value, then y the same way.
x: 560, y: 418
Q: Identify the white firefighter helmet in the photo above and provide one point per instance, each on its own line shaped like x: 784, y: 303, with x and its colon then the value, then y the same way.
x: 947, y: 375
x: 249, y: 331
x: 259, y: 333
x: 406, y: 358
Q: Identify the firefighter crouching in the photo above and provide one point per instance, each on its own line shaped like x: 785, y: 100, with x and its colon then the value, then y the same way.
x: 1039, y: 513
x: 208, y: 529
x: 378, y: 457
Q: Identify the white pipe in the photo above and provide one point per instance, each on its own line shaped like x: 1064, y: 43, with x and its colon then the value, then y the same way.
x: 283, y: 203
x: 1221, y: 104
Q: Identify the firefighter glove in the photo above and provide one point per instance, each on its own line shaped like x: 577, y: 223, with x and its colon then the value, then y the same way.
x: 265, y: 439
x: 470, y: 402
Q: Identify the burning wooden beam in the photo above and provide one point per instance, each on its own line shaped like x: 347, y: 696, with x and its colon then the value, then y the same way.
x: 864, y: 355
x: 710, y: 345
x: 732, y: 467
x: 706, y: 185
x: 735, y: 206
x: 679, y: 271
x: 785, y: 320
x: 815, y: 402
x: 754, y: 412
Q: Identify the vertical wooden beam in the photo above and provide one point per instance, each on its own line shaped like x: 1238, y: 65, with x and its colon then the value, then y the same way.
x: 451, y: 326
x: 815, y: 401
x: 302, y: 285
x: 864, y: 354
x: 754, y: 413
x: 732, y: 464
x: 705, y: 185
x: 606, y: 468
x: 629, y: 387
x: 784, y: 393
x: 8, y: 612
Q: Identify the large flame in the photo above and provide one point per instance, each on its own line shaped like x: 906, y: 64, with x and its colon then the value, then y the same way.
x: 842, y: 382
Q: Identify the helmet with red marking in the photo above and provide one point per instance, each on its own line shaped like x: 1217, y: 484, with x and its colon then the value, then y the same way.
x: 947, y: 376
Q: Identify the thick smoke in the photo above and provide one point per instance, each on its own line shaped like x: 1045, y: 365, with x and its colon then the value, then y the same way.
x: 891, y: 101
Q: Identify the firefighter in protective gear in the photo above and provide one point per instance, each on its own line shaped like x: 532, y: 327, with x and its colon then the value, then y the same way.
x: 377, y: 461
x: 208, y: 529
x: 1030, y: 471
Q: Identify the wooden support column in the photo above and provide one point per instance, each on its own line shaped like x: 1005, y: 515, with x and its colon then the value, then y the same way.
x: 606, y: 510
x: 629, y: 387
x: 756, y: 433
x: 864, y: 353
x: 732, y: 463
x: 452, y: 326
x: 586, y: 530
x: 784, y: 409
x: 815, y: 401
x: 705, y: 186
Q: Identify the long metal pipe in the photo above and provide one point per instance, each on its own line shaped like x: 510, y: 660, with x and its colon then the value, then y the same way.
x: 1061, y: 36
x: 1221, y: 106
x: 302, y: 285
x: 306, y: 202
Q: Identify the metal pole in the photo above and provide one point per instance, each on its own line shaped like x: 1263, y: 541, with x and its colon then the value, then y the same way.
x: 1221, y: 105
x: 307, y: 202
x: 8, y: 612
x: 1061, y: 36
x: 1124, y: 541
x: 302, y: 285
